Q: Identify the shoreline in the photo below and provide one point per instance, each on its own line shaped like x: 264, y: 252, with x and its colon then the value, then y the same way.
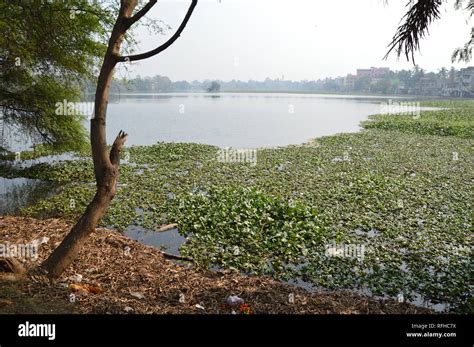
x: 346, y: 94
x: 283, y: 92
x: 144, y: 282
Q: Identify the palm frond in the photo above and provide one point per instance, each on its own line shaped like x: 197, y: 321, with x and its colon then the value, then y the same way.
x: 420, y: 15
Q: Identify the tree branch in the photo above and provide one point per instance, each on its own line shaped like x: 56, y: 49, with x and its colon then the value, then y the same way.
x: 117, y: 147
x: 166, y: 44
x: 137, y: 16
x: 176, y: 257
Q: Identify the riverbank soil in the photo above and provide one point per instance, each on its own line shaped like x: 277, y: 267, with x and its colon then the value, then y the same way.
x: 114, y: 274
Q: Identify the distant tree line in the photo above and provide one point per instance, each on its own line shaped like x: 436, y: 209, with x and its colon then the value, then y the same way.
x: 409, y: 82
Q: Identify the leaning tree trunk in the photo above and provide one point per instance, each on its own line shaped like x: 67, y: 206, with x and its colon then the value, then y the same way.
x: 106, y: 165
x: 67, y: 251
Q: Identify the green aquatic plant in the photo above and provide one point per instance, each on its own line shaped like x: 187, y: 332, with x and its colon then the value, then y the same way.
x: 247, y: 230
x: 450, y: 122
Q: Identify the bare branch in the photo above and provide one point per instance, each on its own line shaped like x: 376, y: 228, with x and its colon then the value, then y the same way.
x: 166, y: 44
x: 137, y: 16
x: 117, y: 147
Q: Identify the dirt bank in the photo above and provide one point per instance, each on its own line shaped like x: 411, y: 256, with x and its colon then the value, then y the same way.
x: 132, y: 278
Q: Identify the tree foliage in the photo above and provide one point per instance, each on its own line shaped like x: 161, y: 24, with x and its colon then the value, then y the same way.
x: 46, y: 49
x: 214, y: 87
x: 465, y: 53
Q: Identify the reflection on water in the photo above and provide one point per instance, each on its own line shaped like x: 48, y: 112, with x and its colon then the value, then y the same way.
x: 168, y: 241
x: 16, y: 193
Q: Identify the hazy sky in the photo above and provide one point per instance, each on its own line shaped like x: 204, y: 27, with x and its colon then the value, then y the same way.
x: 297, y: 39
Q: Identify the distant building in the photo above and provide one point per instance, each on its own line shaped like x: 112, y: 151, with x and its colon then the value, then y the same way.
x: 364, y: 73
x: 349, y: 81
x: 458, y: 83
x: 427, y: 86
x: 462, y: 85
x: 466, y: 80
x: 377, y: 72
x: 375, y: 80
x: 373, y: 72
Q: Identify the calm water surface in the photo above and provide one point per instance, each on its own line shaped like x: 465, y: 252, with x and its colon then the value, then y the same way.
x: 237, y: 120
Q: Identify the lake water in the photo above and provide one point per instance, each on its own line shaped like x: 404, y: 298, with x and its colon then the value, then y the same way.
x: 21, y: 192
x: 238, y: 120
